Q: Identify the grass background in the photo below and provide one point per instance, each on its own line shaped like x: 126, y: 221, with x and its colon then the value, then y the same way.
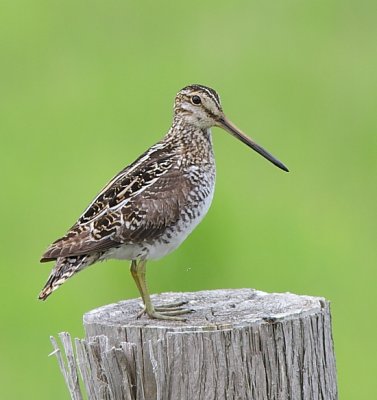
x: 86, y: 86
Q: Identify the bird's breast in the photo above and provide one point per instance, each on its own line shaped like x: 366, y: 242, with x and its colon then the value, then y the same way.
x: 197, y: 204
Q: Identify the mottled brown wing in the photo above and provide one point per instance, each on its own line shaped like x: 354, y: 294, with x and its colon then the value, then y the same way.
x: 76, y: 242
x: 156, y: 209
x: 136, y: 206
x: 153, y: 163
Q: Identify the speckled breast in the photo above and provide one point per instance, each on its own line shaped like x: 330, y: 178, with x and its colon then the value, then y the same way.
x: 198, y: 203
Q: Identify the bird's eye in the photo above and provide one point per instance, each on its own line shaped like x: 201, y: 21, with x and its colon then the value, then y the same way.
x: 196, y: 100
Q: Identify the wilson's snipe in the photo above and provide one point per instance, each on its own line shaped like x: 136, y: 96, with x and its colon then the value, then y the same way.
x: 149, y: 208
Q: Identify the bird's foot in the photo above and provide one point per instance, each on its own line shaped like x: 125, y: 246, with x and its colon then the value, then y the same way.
x: 166, y: 311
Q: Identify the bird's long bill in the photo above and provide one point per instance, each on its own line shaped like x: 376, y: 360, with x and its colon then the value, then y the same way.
x: 233, y: 130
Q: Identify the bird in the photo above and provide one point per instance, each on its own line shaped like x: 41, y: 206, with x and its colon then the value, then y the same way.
x: 150, y: 207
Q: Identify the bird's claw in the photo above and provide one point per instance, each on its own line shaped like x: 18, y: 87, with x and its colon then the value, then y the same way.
x: 166, y: 311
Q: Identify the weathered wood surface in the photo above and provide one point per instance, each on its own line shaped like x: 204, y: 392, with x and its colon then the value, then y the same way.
x: 237, y: 344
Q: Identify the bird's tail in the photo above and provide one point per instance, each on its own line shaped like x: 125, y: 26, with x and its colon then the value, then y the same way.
x: 64, y: 268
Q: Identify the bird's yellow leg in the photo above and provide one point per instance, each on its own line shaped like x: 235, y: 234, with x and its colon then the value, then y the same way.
x: 169, y: 311
x: 135, y: 275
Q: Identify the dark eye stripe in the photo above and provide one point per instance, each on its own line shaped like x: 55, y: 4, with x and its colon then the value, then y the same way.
x: 209, y: 92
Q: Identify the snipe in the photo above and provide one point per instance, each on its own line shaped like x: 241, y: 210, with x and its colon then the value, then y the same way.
x: 150, y: 207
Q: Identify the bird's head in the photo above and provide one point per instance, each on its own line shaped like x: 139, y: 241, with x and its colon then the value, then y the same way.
x: 200, y: 106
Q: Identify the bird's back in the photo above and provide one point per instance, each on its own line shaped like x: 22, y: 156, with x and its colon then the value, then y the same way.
x: 146, y: 210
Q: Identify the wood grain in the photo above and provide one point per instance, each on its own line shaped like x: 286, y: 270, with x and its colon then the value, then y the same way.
x: 237, y: 344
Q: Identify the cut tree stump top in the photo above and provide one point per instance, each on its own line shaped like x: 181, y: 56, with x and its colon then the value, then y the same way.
x: 212, y: 310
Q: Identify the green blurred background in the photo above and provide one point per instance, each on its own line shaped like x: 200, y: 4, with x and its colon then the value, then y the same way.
x: 86, y: 86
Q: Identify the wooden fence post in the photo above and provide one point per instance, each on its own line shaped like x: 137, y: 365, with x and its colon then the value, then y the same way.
x: 237, y: 344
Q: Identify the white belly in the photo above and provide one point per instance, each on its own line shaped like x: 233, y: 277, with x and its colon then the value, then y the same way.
x: 184, y: 227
